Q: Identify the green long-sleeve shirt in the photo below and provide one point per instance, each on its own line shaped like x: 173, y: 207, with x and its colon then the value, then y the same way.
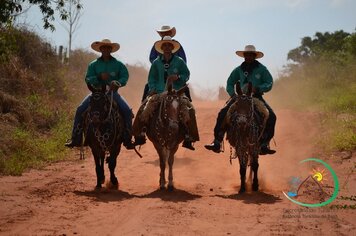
x: 114, y: 67
x: 260, y: 78
x: 157, y: 73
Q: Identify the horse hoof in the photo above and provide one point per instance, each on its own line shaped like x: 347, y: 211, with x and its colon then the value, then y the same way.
x: 114, y: 181
x: 242, y: 190
x: 98, y: 188
x: 170, y: 188
x: 112, y: 186
x: 255, y: 188
x: 103, y: 180
x: 162, y: 188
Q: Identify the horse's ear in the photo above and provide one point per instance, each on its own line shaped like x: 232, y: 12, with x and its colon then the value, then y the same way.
x: 238, y: 88
x: 91, y: 88
x: 249, y: 89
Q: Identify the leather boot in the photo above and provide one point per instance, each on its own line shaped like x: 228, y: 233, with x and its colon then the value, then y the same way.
x: 215, y: 146
x: 187, y: 143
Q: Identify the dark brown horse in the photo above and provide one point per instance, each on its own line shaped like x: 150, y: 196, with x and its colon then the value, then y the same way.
x: 244, y: 128
x: 166, y: 132
x: 104, y: 133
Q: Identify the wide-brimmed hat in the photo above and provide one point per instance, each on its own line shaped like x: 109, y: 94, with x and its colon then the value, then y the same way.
x: 105, y: 42
x: 250, y: 48
x: 167, y: 39
x: 166, y: 28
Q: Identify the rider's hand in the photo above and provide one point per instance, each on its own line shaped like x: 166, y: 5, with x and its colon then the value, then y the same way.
x: 172, y: 77
x: 115, y: 85
x: 104, y: 76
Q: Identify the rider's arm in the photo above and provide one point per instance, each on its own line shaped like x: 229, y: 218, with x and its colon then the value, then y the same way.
x: 267, y: 82
x: 153, y: 78
x: 184, y: 73
x: 123, y: 75
x: 91, y: 76
x: 231, y: 81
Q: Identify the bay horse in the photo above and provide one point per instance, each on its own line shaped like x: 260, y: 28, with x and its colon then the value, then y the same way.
x: 244, y: 129
x: 104, y: 133
x: 166, y: 131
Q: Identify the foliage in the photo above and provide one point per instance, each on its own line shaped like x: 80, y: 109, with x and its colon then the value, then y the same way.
x: 322, y: 78
x: 339, y: 44
x: 33, y: 103
x: 38, y: 96
x: 7, y: 45
x: 9, y: 9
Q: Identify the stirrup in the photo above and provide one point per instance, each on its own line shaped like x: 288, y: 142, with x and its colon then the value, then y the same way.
x: 139, y: 140
x: 71, y: 144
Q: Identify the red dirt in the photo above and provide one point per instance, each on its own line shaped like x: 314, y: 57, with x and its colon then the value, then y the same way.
x: 60, y: 199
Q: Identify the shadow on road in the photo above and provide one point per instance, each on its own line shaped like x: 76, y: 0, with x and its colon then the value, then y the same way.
x: 253, y: 198
x: 176, y: 195
x: 106, y: 195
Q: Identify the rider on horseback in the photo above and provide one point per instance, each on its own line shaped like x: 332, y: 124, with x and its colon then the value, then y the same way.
x: 254, y: 72
x: 166, y: 30
x: 167, y: 66
x: 106, y: 70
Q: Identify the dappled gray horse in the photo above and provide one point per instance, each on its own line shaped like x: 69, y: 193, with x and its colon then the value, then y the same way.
x: 166, y: 132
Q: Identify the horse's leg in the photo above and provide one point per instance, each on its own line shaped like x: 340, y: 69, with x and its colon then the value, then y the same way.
x: 112, y: 165
x: 254, y: 166
x: 170, y: 175
x: 162, y: 163
x: 243, y: 178
x: 243, y: 166
x: 99, y: 168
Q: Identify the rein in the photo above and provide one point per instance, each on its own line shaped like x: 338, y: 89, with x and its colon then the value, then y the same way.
x: 162, y: 116
x: 102, y: 138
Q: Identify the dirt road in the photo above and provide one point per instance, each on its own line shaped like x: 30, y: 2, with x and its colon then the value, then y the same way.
x: 60, y: 199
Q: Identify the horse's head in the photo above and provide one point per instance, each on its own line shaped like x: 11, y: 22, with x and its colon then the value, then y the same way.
x: 171, y: 102
x: 99, y: 108
x: 244, y: 103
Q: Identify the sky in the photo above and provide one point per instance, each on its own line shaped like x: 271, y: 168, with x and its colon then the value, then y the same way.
x: 210, y: 31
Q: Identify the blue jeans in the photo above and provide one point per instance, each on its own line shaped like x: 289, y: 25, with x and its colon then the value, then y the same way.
x: 77, y: 132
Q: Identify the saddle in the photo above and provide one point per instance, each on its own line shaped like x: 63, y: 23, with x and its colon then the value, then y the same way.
x: 260, y: 110
x: 148, y: 107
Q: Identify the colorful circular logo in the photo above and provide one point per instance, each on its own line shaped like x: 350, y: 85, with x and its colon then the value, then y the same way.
x: 317, y: 177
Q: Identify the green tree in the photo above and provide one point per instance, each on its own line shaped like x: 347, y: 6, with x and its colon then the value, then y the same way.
x: 320, y: 45
x: 9, y: 9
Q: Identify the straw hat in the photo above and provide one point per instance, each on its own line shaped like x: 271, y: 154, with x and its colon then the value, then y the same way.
x: 167, y: 39
x: 105, y: 42
x: 250, y: 48
x: 166, y: 28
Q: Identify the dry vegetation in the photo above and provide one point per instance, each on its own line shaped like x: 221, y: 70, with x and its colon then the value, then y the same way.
x: 38, y: 97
